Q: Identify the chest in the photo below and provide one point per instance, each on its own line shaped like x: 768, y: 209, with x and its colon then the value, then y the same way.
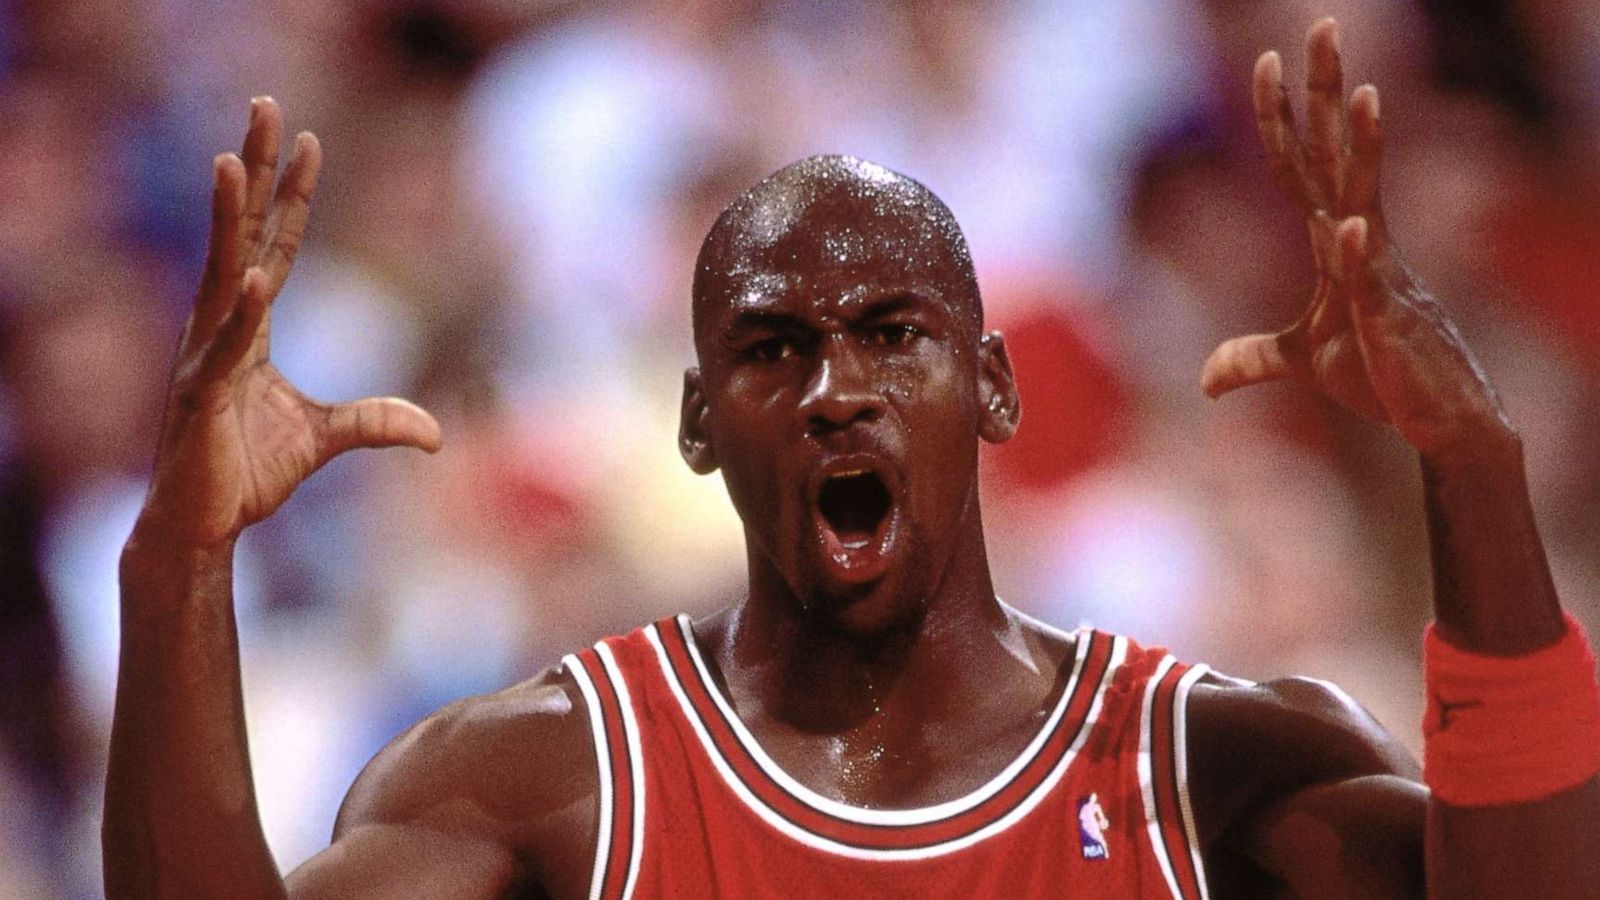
x: 1091, y: 797
x: 886, y: 764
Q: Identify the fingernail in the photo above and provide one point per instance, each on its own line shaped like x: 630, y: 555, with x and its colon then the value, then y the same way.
x: 255, y: 109
x: 1372, y: 90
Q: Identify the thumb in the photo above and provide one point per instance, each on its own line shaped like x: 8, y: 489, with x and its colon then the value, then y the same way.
x: 379, y: 422
x: 1244, y: 361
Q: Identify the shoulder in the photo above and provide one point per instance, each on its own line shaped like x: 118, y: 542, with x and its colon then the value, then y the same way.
x: 1323, y: 725
x: 1293, y: 781
x: 516, y: 767
x: 1252, y: 743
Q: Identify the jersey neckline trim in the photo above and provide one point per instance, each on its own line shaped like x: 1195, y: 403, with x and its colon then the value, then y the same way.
x: 884, y: 833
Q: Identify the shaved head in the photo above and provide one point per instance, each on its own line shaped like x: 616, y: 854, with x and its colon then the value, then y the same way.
x: 840, y: 335
x: 834, y: 212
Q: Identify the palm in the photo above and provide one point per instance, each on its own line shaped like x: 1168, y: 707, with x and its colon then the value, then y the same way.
x: 238, y: 437
x: 1371, y: 339
x: 279, y: 441
x: 258, y: 444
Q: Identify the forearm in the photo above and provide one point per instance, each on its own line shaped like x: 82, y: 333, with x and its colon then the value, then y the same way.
x: 1493, y: 595
x: 1492, y: 589
x: 1549, y: 848
x: 181, y: 817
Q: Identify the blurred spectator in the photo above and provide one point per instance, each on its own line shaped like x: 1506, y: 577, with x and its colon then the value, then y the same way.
x: 513, y: 198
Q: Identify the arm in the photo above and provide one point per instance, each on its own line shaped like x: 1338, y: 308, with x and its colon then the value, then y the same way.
x: 237, y: 438
x: 1493, y: 595
x: 1374, y: 340
x: 1296, y: 786
x: 490, y: 794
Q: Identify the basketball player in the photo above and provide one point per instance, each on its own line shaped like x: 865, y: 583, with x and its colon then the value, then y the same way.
x: 870, y: 721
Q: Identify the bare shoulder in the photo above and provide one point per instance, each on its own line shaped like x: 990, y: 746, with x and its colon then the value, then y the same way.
x: 1315, y: 719
x: 515, y: 767
x: 1287, y: 777
x: 1250, y: 742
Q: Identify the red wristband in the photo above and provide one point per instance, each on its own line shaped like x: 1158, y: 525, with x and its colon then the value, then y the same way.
x: 1503, y: 730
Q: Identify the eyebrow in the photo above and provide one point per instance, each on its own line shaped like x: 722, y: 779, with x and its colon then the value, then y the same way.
x: 893, y: 303
x: 764, y: 313
x: 904, y: 301
x: 748, y: 320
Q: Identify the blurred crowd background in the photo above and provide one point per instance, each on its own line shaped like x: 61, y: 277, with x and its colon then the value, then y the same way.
x: 513, y: 197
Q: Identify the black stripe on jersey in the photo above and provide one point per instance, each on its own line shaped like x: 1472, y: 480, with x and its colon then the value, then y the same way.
x: 1084, y: 682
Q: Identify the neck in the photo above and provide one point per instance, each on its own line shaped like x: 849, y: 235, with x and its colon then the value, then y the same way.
x: 817, y: 676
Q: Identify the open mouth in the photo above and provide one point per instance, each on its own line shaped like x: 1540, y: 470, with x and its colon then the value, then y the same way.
x: 857, y: 510
x: 854, y: 504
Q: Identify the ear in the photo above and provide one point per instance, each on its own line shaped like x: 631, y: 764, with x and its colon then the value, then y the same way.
x: 997, y: 391
x: 694, y: 439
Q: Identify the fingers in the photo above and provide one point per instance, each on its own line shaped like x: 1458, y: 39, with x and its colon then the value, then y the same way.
x: 1325, y: 113
x: 1275, y: 122
x: 234, y: 339
x: 1335, y: 173
x: 231, y: 308
x: 219, y: 282
x: 1245, y: 361
x: 1353, y: 239
x: 261, y: 167
x: 291, y: 208
x: 1366, y: 152
x: 379, y: 422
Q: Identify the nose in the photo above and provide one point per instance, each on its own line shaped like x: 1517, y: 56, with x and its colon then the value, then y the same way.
x: 840, y: 392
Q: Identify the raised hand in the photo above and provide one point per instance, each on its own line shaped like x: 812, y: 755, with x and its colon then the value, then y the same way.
x: 238, y: 438
x: 1372, y: 338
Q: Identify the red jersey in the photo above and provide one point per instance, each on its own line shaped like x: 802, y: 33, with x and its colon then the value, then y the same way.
x: 1096, y: 805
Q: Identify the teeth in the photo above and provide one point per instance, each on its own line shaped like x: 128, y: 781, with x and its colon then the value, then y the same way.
x: 855, y: 545
x: 850, y: 473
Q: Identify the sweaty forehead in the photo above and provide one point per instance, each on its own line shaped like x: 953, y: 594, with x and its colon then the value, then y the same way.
x: 830, y: 222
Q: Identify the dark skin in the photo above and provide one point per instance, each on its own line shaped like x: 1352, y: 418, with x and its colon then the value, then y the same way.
x: 838, y: 329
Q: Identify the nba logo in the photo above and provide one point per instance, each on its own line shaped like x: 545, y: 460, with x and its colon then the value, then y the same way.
x: 1092, y: 825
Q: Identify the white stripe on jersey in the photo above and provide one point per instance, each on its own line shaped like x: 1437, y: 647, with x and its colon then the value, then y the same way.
x: 857, y: 814
x: 630, y: 728
x: 602, y: 753
x: 1180, y: 737
x: 1146, y: 775
x: 817, y: 842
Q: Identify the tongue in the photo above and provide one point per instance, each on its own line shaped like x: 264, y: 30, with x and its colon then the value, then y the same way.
x: 851, y: 522
x: 837, y: 546
x: 853, y: 557
x: 849, y: 539
x: 850, y: 552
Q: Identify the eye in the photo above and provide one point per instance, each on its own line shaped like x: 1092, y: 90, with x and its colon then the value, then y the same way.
x: 772, y: 349
x: 892, y: 335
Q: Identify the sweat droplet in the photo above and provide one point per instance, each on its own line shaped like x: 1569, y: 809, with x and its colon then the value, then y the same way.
x: 837, y: 211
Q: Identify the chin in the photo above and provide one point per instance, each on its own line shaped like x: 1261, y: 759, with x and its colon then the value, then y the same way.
x: 866, y: 610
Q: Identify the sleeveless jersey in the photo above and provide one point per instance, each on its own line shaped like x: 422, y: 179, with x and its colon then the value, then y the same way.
x: 1096, y: 805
